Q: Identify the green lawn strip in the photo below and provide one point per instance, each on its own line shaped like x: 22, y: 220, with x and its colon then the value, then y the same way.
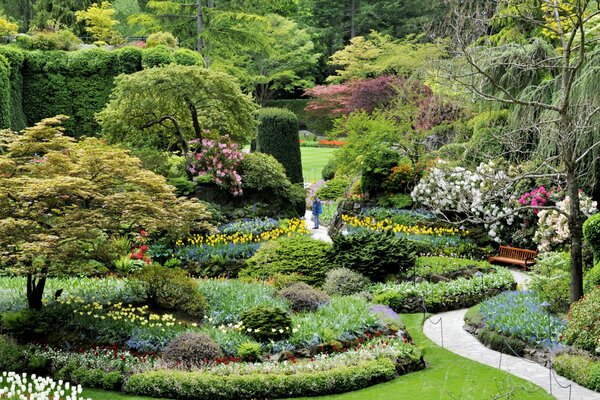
x: 97, y: 394
x: 313, y: 161
x: 448, y: 376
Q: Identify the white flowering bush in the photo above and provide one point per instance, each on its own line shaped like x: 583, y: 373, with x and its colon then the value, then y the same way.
x: 481, y: 196
x: 15, y: 386
x: 553, y: 226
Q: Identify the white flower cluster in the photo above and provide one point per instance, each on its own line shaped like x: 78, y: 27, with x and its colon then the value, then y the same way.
x: 553, y: 227
x: 20, y: 386
x: 481, y: 196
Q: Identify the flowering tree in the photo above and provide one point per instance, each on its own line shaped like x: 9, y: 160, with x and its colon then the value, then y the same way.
x: 478, y: 196
x: 218, y: 160
x: 553, y: 225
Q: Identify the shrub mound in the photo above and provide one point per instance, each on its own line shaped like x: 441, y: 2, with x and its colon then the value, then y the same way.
x: 171, y: 289
x: 583, y: 328
x: 191, y: 348
x: 344, y: 282
x: 196, y: 385
x: 301, y: 255
x: 373, y: 254
x: 579, y: 368
x: 303, y: 297
x: 266, y: 323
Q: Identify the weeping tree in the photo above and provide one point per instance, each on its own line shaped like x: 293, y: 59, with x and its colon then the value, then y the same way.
x: 548, y: 78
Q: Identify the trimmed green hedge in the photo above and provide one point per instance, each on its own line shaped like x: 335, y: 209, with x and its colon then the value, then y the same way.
x: 40, y: 84
x: 200, y: 385
x: 579, y: 368
x: 278, y: 136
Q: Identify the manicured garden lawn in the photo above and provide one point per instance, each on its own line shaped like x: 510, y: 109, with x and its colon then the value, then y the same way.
x: 447, y: 376
x: 313, y: 161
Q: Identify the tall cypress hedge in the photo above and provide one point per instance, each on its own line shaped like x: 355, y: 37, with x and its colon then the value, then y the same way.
x: 40, y: 84
x: 278, y: 136
x: 15, y: 58
x: 4, y: 92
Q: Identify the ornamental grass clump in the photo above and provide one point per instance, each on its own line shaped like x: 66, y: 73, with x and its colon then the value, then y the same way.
x: 190, y: 349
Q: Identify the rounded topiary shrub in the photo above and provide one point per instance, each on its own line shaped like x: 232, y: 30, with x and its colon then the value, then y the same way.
x: 278, y: 136
x: 171, y: 289
x: 591, y: 232
x: 191, y: 348
x: 157, y: 56
x: 344, y: 282
x: 303, y: 297
x: 373, y: 254
x: 302, y: 255
x: 250, y: 351
x: 583, y: 328
x: 188, y: 57
x: 264, y: 323
x: 161, y: 38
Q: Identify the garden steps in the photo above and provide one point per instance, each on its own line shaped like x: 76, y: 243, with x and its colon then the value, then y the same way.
x: 319, y: 234
x: 459, y: 341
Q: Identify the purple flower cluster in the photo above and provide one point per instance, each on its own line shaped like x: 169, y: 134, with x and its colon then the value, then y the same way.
x: 537, y: 198
x: 219, y: 160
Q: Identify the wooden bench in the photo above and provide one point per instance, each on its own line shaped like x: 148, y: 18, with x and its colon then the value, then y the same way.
x: 515, y: 256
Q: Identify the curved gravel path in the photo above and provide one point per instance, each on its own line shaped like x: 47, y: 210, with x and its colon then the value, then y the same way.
x: 461, y: 342
x: 321, y: 233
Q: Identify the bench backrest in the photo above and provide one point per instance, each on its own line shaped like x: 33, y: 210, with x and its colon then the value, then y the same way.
x: 516, y: 253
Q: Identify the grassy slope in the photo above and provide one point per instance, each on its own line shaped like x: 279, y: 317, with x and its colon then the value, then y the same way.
x: 313, y: 161
x: 448, y: 377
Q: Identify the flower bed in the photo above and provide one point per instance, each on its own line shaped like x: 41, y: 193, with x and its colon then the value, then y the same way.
x: 442, y: 296
x: 365, y: 365
x: 521, y: 315
x: 21, y: 386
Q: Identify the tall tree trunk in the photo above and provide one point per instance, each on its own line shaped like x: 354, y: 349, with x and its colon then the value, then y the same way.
x: 576, y: 231
x: 199, y: 27
x: 353, y: 18
x: 35, y: 290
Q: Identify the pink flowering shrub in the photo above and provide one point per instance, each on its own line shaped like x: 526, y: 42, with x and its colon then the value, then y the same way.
x: 218, y: 160
x: 536, y: 198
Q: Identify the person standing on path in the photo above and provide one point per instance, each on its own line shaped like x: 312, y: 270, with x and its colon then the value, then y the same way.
x: 317, y: 209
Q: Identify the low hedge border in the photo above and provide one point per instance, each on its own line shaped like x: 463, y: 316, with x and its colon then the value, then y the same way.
x: 195, y: 385
x: 443, y: 296
x: 580, y: 368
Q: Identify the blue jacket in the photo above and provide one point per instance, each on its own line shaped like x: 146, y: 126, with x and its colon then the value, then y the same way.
x: 317, y: 208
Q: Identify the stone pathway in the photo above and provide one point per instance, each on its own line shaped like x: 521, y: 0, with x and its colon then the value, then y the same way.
x: 321, y: 233
x: 459, y: 341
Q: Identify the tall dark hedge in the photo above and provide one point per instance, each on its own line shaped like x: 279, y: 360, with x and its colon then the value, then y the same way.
x: 4, y: 92
x: 15, y: 58
x: 278, y: 136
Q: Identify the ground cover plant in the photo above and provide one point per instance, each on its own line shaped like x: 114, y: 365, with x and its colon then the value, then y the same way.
x: 520, y: 315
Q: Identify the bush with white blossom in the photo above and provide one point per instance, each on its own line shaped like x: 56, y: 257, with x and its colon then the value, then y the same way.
x: 15, y: 386
x: 479, y: 196
x: 553, y: 226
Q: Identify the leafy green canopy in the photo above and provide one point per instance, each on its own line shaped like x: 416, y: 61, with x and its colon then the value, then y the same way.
x: 61, y: 200
x: 166, y: 107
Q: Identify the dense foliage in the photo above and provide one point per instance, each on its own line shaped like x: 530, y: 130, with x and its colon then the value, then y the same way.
x: 375, y: 255
x: 278, y: 136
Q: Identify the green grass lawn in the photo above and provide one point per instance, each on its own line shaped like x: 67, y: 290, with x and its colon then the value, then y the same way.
x: 447, y: 376
x: 313, y: 161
